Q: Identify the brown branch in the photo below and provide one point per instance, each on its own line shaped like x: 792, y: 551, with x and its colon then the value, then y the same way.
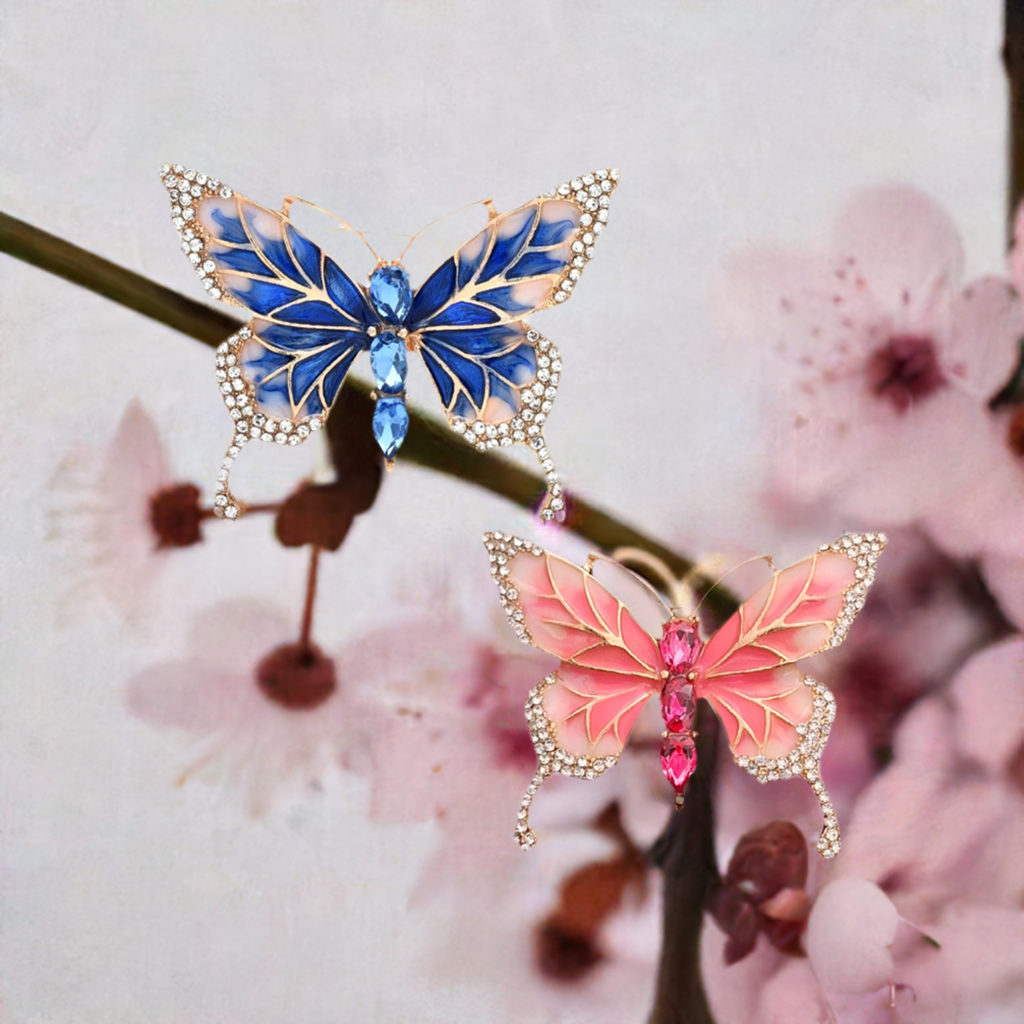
x: 429, y: 443
x: 685, y: 851
x: 1013, y: 61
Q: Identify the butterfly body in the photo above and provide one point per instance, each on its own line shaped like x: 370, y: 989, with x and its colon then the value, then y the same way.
x: 680, y: 647
x: 496, y: 377
x: 776, y: 718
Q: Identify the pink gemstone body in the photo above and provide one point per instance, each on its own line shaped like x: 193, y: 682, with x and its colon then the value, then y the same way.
x: 680, y: 645
x: 678, y: 704
x: 678, y: 759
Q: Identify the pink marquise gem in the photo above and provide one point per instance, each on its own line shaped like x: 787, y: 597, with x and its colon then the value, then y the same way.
x: 680, y: 645
x: 678, y: 759
x: 678, y: 704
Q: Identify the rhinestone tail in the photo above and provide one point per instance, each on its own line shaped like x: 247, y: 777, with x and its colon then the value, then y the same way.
x: 551, y: 759
x: 239, y: 396
x: 805, y: 761
x: 527, y: 425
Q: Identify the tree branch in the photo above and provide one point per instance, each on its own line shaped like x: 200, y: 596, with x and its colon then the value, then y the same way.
x: 685, y: 852
x: 1013, y: 61
x: 429, y: 443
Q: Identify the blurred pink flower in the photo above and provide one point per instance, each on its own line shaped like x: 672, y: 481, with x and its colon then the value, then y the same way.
x: 878, y: 366
x: 939, y: 834
x: 571, y: 930
x: 568, y: 932
x: 264, y: 716
x: 445, y: 739
x: 121, y: 512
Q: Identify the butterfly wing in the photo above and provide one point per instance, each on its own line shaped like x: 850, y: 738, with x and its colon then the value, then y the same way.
x: 579, y: 716
x: 776, y: 718
x: 496, y: 377
x: 309, y: 316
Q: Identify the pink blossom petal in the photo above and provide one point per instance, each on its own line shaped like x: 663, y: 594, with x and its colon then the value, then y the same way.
x: 982, y: 949
x: 885, y: 467
x: 849, y: 936
x: 135, y: 462
x: 907, y: 250
x: 105, y: 515
x: 983, y: 506
x: 989, y: 692
x: 790, y: 995
x: 787, y: 905
x: 895, y: 814
x: 1004, y: 575
x: 987, y: 325
x: 734, y: 990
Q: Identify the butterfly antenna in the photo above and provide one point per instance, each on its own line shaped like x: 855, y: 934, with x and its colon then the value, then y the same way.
x: 288, y: 200
x: 655, y: 565
x: 489, y: 203
x: 756, y: 558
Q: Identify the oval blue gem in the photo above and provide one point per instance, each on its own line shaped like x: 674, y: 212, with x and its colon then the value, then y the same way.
x: 391, y: 293
x: 388, y: 362
x: 390, y: 424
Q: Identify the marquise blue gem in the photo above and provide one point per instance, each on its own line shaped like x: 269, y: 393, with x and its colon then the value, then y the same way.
x: 388, y: 362
x: 390, y: 424
x: 391, y: 293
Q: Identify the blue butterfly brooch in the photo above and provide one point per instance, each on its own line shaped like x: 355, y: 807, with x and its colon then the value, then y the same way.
x: 497, y: 377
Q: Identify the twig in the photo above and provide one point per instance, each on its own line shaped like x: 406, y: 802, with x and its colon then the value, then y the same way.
x: 306, y: 629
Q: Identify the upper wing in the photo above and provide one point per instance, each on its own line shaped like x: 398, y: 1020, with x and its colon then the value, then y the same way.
x: 610, y: 665
x: 310, y: 317
x: 468, y: 315
x: 747, y: 669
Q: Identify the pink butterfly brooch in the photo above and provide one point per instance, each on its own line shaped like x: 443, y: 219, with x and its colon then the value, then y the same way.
x: 777, y: 718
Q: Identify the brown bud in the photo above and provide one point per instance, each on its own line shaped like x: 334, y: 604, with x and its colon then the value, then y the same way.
x: 297, y: 676
x: 175, y: 516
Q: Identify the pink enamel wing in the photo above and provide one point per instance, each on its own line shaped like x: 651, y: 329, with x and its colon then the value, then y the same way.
x: 777, y: 719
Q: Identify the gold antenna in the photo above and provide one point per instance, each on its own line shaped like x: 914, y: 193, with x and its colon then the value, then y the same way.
x: 589, y: 569
x: 680, y: 589
x: 288, y: 200
x: 489, y: 203
x: 756, y: 558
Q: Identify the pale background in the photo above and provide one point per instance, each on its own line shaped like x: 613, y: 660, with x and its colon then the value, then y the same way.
x: 125, y: 899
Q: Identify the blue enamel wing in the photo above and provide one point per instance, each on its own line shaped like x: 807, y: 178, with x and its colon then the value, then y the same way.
x: 496, y: 377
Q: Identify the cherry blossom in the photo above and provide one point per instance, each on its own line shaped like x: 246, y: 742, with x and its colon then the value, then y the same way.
x: 876, y: 366
x: 263, y: 716
x: 121, y: 512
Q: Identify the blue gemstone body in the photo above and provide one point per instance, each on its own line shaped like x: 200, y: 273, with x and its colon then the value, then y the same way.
x: 391, y: 294
x: 388, y: 362
x: 390, y: 424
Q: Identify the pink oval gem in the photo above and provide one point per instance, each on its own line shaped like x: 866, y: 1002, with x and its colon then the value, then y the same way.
x: 678, y: 759
x: 678, y: 704
x: 680, y: 645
